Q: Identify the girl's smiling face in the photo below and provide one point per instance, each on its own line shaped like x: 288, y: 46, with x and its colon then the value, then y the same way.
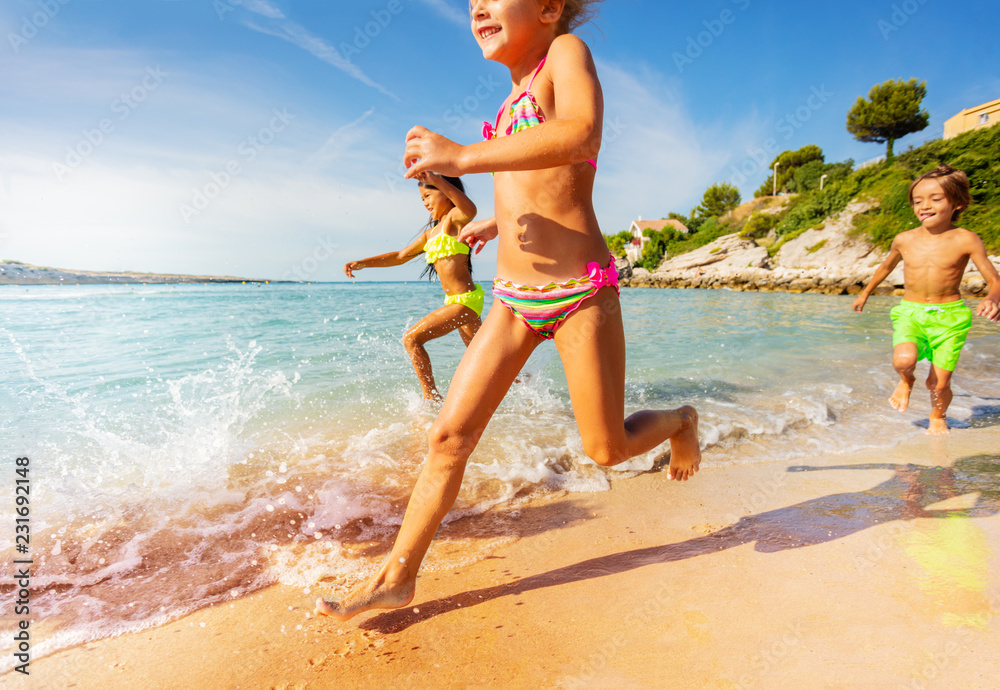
x: 931, y: 204
x: 505, y: 28
x: 436, y: 203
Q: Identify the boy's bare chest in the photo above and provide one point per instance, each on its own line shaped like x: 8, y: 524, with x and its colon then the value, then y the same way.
x: 940, y: 254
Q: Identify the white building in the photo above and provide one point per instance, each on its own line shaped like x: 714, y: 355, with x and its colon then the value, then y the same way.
x: 633, y: 250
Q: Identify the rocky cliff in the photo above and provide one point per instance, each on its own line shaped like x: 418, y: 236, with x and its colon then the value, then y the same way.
x: 827, y: 259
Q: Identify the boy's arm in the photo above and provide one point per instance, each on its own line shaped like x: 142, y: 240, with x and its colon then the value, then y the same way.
x: 389, y: 258
x: 573, y: 136
x: 881, y: 273
x: 990, y: 306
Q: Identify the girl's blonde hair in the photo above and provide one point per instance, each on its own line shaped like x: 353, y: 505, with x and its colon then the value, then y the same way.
x: 576, y: 13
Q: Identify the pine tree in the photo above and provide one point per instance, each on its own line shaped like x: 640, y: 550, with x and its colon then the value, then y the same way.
x: 892, y: 111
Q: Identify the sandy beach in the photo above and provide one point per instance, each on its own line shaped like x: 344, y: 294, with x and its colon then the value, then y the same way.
x: 873, y: 569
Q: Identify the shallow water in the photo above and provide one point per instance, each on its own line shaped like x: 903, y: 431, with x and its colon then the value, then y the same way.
x: 190, y: 444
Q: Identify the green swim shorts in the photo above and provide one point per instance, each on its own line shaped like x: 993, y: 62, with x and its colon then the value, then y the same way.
x: 473, y: 300
x: 939, y: 330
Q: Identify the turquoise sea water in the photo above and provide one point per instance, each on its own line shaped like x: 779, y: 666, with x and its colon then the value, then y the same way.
x: 190, y: 444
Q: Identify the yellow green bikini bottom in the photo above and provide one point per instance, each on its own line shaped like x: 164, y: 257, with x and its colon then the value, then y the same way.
x: 473, y: 300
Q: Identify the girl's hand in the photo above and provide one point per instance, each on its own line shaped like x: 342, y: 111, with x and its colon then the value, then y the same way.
x: 350, y: 267
x: 477, y: 233
x: 427, y: 151
x: 428, y: 177
x: 859, y: 303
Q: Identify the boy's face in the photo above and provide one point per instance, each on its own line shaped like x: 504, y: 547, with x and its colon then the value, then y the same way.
x: 932, y: 205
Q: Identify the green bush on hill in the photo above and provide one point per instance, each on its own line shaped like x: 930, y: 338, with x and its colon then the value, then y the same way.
x: 617, y: 242
x: 788, y: 162
x: 976, y: 152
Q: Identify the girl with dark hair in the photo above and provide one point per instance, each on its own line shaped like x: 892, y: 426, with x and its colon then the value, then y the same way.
x: 448, y: 259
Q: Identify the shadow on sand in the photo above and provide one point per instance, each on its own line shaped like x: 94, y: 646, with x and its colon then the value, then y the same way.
x: 905, y: 496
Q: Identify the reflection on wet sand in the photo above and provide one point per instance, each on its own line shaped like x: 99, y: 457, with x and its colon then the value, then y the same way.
x: 910, y: 493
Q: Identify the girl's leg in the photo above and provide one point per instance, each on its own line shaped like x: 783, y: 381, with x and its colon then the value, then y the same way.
x: 469, y: 330
x: 438, y: 323
x: 591, y: 343
x: 485, y: 373
x: 904, y: 361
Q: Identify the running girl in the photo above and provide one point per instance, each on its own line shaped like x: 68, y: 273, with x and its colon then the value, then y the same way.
x: 450, y: 260
x: 556, y: 281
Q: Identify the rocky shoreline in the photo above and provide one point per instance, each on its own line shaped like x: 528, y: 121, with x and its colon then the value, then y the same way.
x: 19, y: 273
x: 827, y: 260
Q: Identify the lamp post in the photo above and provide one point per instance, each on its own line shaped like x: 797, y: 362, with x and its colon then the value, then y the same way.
x: 822, y: 178
x: 775, y: 192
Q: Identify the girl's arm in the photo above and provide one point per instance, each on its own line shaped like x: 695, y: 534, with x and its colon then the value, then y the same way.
x: 478, y: 233
x: 463, y: 204
x: 388, y: 259
x: 573, y: 136
x: 881, y: 273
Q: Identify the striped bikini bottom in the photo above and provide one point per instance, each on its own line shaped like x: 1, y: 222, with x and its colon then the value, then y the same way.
x: 543, y: 308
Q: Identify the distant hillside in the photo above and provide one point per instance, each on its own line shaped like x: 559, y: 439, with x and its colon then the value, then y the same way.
x: 830, y: 240
x: 881, y: 187
x: 19, y: 273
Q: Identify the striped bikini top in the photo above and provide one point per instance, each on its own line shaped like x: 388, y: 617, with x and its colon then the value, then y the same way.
x: 524, y: 113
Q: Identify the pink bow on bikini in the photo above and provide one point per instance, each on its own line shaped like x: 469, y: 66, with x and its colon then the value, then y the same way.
x: 600, y: 277
x: 488, y: 130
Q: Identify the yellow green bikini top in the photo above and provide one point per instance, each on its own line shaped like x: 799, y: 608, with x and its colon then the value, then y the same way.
x: 442, y: 245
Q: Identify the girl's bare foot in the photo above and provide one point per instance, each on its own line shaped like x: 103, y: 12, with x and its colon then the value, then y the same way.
x: 938, y: 427
x: 374, y: 594
x: 900, y: 399
x: 685, y: 453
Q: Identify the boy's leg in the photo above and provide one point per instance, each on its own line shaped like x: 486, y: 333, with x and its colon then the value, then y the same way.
x: 493, y: 359
x: 904, y: 361
x: 948, y: 332
x: 438, y: 323
x: 591, y: 343
x: 939, y: 384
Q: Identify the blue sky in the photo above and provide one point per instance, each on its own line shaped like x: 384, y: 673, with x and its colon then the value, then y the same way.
x: 263, y: 138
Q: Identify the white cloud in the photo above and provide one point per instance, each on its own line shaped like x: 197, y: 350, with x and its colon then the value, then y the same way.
x: 261, y: 222
x: 341, y: 140
x: 449, y: 11
x: 299, y: 36
x: 263, y: 8
x: 655, y: 158
x: 119, y: 208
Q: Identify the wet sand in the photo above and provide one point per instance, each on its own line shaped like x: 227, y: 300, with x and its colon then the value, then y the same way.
x: 874, y: 569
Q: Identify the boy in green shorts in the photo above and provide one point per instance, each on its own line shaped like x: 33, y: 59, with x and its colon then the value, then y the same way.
x: 932, y: 321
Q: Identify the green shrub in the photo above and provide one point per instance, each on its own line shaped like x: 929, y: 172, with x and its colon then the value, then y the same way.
x: 617, y: 242
x: 759, y: 224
